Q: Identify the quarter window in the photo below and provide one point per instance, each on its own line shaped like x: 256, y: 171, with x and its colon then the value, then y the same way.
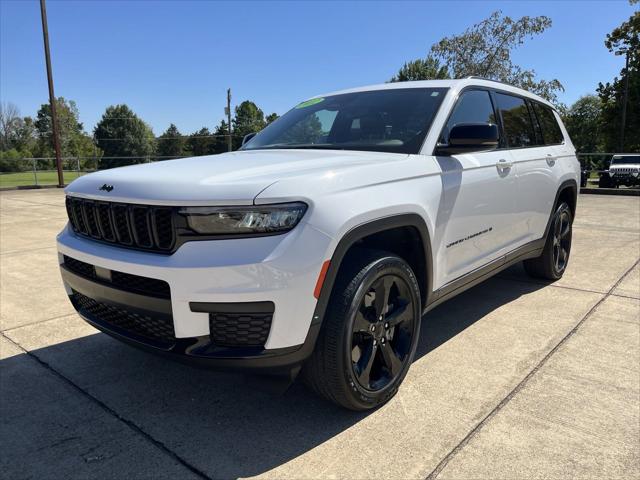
x: 474, y: 106
x: 550, y: 129
x: 516, y: 121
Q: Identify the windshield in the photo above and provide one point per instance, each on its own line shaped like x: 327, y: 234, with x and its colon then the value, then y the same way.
x: 395, y: 120
x: 625, y: 160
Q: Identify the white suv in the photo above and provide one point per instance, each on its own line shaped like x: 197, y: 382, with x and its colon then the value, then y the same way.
x: 319, y: 245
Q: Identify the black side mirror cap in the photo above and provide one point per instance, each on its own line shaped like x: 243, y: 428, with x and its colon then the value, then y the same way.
x: 470, y: 137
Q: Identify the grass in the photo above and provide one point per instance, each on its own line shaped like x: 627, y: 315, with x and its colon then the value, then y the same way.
x: 45, y: 177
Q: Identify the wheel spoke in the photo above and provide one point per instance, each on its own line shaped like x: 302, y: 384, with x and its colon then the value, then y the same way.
x: 361, y: 324
x: 364, y: 375
x: 557, y: 227
x: 400, y: 314
x: 391, y: 360
x: 382, y: 289
x: 556, y: 257
x: 566, y: 227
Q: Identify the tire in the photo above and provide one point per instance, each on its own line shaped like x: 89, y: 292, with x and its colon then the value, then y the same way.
x: 362, y: 356
x: 605, y: 181
x: 553, y: 261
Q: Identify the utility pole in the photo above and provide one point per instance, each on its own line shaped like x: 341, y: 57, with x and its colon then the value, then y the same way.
x: 624, y: 101
x: 228, y: 112
x: 52, y: 98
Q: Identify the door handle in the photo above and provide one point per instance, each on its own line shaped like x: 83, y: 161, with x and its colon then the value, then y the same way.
x: 551, y: 160
x: 504, y: 165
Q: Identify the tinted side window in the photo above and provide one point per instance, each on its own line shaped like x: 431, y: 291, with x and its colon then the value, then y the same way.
x: 550, y: 130
x: 474, y: 106
x: 517, y: 124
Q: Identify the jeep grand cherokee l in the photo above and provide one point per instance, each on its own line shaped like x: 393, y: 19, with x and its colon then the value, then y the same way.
x: 318, y: 246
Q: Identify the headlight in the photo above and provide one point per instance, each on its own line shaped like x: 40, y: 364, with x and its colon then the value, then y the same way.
x: 611, y: 173
x: 258, y: 219
x: 635, y: 174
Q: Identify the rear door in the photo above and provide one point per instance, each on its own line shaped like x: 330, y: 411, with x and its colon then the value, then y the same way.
x: 535, y: 141
x: 477, y: 209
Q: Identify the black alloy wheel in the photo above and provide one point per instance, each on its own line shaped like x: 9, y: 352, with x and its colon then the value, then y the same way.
x: 382, y: 333
x: 369, y: 333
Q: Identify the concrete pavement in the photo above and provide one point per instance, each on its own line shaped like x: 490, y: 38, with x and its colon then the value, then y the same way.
x: 513, y: 379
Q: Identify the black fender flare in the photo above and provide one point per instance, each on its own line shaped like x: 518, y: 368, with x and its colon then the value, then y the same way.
x: 566, y: 185
x: 346, y: 242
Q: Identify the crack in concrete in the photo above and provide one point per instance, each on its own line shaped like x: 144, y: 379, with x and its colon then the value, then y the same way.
x: 132, y: 425
x: 475, y: 430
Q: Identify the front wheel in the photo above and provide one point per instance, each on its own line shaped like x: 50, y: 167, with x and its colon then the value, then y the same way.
x: 555, y: 256
x: 370, y: 332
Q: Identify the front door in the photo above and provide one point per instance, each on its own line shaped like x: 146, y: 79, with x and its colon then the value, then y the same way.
x: 478, y: 208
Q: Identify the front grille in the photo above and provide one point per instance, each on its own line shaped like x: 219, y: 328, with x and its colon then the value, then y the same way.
x: 239, y: 329
x: 124, y: 281
x: 155, y: 328
x: 135, y: 226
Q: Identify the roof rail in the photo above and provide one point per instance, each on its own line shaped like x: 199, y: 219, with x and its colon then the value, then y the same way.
x: 478, y: 77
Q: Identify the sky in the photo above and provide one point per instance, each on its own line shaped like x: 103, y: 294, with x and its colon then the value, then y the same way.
x: 172, y: 61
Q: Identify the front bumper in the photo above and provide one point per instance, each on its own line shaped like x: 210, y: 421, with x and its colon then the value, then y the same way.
x: 280, y: 270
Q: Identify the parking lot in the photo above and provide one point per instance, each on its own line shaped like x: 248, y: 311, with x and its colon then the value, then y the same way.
x: 513, y: 379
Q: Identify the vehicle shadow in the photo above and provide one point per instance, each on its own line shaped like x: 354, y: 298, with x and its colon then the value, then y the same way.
x: 216, y: 421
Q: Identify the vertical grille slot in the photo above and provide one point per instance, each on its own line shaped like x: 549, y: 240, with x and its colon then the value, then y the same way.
x: 92, y: 221
x: 68, y: 203
x: 81, y: 226
x: 163, y: 228
x: 121, y: 224
x: 141, y: 226
x: 103, y: 212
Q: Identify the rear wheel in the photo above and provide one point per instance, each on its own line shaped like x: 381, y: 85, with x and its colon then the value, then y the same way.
x: 555, y: 256
x: 369, y: 334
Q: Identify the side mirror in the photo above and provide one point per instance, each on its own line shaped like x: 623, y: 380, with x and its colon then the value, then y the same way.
x: 248, y: 137
x: 470, y: 137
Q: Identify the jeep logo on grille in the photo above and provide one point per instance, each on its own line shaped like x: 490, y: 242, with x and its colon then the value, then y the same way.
x: 106, y: 188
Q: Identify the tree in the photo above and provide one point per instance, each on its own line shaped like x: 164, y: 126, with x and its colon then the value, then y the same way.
x: 74, y: 142
x: 583, y: 121
x: 171, y: 143
x: 220, y: 143
x: 248, y: 119
x: 200, y: 143
x: 272, y: 118
x: 485, y: 50
x: 121, y: 133
x: 624, y: 41
x: 9, y: 118
x: 427, y: 69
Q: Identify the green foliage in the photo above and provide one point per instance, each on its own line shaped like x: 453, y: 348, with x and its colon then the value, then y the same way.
x: 171, y: 143
x: 583, y: 122
x: 485, y: 50
x: 200, y: 143
x: 248, y: 119
x: 74, y: 142
x: 623, y: 40
x: 272, y: 118
x: 220, y: 142
x: 427, y: 69
x: 120, y: 133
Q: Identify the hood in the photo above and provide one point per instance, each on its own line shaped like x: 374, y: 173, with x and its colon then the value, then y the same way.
x: 234, y: 178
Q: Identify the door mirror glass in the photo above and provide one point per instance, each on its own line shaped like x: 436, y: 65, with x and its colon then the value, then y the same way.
x: 470, y: 137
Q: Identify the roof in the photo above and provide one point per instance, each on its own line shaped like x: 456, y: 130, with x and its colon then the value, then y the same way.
x: 457, y: 84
